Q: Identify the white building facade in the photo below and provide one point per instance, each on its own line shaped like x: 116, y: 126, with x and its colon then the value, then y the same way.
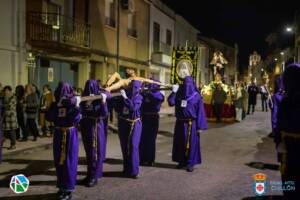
x: 13, y: 65
x: 161, y: 35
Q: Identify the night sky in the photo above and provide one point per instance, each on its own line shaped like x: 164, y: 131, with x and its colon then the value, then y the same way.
x: 246, y: 22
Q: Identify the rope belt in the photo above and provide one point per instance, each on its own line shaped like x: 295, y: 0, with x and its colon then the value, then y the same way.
x: 95, y: 131
x: 187, y: 147
x: 132, y: 121
x: 285, y: 135
x: 63, y: 143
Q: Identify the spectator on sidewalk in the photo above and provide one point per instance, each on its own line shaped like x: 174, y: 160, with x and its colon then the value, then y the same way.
x: 31, y: 110
x: 20, y: 94
x: 252, y: 92
x: 245, y: 99
x: 265, y: 94
x: 10, y: 123
x: 218, y: 99
x: 45, y: 102
x: 238, y: 101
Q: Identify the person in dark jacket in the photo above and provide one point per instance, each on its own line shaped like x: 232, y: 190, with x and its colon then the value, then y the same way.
x: 20, y: 93
x: 10, y: 124
x: 31, y: 109
x: 218, y: 99
x: 252, y: 91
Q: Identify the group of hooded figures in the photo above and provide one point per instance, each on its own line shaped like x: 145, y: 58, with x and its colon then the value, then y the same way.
x: 286, y: 129
x: 138, y: 122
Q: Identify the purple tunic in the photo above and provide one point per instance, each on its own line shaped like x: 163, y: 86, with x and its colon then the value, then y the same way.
x: 152, y: 101
x: 93, y: 130
x: 276, y: 100
x: 65, y: 141
x: 1, y: 134
x: 289, y: 129
x: 190, y: 117
x: 130, y: 127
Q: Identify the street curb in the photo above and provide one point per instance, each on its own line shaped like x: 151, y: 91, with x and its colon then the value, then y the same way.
x: 27, y: 150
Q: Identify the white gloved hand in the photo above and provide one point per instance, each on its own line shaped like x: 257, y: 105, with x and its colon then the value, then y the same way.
x: 123, y: 93
x: 104, y: 97
x: 78, y: 100
x: 175, y: 88
x: 199, y: 131
x: 59, y: 104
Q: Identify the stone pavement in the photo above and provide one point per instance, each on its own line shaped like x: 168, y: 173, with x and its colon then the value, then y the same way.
x: 231, y: 155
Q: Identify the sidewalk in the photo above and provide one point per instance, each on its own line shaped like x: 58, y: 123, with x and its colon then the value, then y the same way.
x: 26, y: 147
x: 46, y: 143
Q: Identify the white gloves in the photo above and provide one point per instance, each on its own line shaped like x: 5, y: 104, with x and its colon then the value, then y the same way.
x: 59, y: 104
x: 175, y: 88
x: 78, y: 100
x: 104, y: 97
x: 123, y: 93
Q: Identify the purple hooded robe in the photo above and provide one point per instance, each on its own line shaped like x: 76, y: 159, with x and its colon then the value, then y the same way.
x: 93, y: 130
x: 152, y: 100
x: 289, y: 129
x: 1, y: 133
x: 190, y: 117
x: 130, y: 127
x: 276, y: 100
x: 65, y: 141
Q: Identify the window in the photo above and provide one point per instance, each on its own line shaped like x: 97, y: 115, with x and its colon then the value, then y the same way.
x: 53, y: 13
x: 110, y: 13
x: 132, y: 31
x: 156, y: 37
x: 169, y: 37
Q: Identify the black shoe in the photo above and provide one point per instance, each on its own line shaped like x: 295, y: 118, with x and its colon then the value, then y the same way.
x: 190, y: 169
x: 23, y: 140
x: 91, y: 183
x: 66, y: 196
x: 34, y: 139
x: 179, y: 166
x: 12, y: 147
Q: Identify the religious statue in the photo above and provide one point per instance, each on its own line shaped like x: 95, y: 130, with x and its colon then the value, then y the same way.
x: 116, y: 82
x: 218, y: 63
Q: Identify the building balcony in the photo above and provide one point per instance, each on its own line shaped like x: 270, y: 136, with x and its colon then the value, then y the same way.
x: 110, y: 22
x: 52, y: 30
x: 160, y: 47
x: 161, y: 53
x: 132, y: 32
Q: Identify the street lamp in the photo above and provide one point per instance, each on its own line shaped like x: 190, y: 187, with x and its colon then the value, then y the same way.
x: 289, y: 29
x: 282, y: 53
x: 275, y: 59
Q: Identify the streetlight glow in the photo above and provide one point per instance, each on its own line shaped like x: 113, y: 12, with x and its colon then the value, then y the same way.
x: 289, y: 29
x: 282, y: 53
x: 275, y: 59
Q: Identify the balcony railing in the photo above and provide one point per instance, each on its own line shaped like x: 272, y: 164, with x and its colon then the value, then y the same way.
x: 132, y: 32
x: 51, y: 27
x: 160, y: 47
x: 110, y: 22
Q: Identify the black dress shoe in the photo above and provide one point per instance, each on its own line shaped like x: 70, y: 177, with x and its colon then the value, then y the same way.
x: 34, y: 139
x: 91, y: 183
x: 179, y: 166
x: 23, y: 140
x: 190, y: 169
x: 66, y: 196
